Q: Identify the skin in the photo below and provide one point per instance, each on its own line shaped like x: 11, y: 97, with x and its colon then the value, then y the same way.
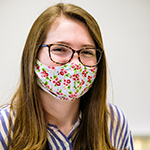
x: 76, y: 35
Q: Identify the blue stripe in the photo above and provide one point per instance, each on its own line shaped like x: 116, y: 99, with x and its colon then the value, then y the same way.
x: 65, y: 139
x: 3, y: 107
x: 123, y: 126
x: 57, y: 137
x: 54, y: 141
x: 4, y: 124
x: 112, y: 122
x: 118, y: 123
x: 50, y: 146
x: 126, y: 142
x: 3, y: 141
x: 131, y: 141
x: 7, y: 113
x: 70, y: 134
x: 124, y: 136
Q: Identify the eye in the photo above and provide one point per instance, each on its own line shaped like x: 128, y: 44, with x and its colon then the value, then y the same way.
x: 88, y: 52
x: 59, y: 49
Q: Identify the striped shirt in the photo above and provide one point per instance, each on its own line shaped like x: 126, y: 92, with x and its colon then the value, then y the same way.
x: 120, y: 134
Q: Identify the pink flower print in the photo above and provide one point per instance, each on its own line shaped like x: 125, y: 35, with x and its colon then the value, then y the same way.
x: 74, y: 77
x: 77, y: 76
x: 65, y: 98
x: 84, y: 90
x: 71, y: 95
x: 48, y: 86
x: 56, y: 79
x: 44, y: 74
x: 68, y: 81
x: 58, y: 93
x: 38, y: 67
x: 82, y: 82
x: 78, y: 67
x: 93, y: 69
x: 62, y: 73
x: 65, y: 84
x: 53, y: 68
x: 76, y: 94
x: 73, y: 66
x: 84, y: 73
x: 89, y: 78
x: 58, y: 83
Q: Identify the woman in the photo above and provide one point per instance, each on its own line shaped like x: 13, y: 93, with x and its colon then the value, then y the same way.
x: 61, y: 100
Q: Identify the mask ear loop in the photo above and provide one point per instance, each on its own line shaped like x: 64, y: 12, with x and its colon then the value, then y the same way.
x: 46, y: 90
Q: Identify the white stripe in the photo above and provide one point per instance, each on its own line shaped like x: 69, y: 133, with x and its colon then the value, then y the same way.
x: 51, y: 141
x: 119, y: 132
x: 4, y: 135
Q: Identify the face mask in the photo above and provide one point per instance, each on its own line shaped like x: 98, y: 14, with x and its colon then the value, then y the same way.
x: 67, y: 82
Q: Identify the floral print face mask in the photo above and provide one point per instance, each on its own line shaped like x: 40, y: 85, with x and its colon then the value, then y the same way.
x: 66, y: 82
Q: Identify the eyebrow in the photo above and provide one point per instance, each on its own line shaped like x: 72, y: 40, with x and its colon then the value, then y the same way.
x: 68, y: 44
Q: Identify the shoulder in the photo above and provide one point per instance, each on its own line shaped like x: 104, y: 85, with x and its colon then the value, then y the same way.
x: 119, y: 132
x: 4, y: 125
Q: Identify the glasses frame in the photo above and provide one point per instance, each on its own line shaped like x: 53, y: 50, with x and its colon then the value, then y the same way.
x: 74, y: 51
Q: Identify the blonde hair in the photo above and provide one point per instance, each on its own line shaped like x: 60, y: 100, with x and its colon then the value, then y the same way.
x: 30, y: 130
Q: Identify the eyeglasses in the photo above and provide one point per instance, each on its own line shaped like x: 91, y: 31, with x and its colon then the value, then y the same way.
x: 62, y: 54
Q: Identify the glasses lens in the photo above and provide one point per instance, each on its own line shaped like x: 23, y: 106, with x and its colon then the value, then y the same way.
x: 60, y: 54
x: 90, y: 56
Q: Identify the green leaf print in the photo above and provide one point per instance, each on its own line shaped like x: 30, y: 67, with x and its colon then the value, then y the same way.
x: 54, y: 76
x: 70, y: 92
x: 67, y: 75
x: 47, y: 78
x: 43, y: 69
x: 69, y: 87
x: 75, y: 87
x: 65, y: 65
x: 80, y: 70
x: 46, y: 82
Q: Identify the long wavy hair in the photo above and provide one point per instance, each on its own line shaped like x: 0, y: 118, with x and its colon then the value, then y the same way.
x: 30, y: 130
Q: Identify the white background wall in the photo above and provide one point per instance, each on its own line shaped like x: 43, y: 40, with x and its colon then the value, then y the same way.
x: 125, y: 26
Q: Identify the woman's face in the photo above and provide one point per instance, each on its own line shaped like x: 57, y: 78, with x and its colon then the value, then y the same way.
x: 70, y: 32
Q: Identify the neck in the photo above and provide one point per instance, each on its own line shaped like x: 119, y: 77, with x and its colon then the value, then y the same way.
x: 63, y: 114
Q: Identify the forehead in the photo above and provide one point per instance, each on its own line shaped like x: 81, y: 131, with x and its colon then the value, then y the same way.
x: 69, y: 30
